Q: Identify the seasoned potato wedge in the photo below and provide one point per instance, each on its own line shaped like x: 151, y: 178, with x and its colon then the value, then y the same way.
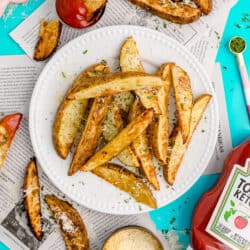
x: 113, y: 124
x: 8, y: 127
x: 130, y: 61
x: 176, y: 13
x: 206, y: 6
x: 142, y: 150
x: 121, y: 141
x: 159, y: 129
x: 49, y: 36
x: 93, y: 7
x: 126, y: 181
x: 114, y: 83
x: 70, y: 113
x: 71, y: 225
x: 91, y: 133
x: 178, y: 148
x: 32, y: 203
x: 184, y: 99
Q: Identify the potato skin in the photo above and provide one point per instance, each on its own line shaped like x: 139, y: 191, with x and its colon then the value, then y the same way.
x: 126, y: 181
x: 177, y: 13
x: 70, y: 113
x: 74, y: 233
x: 32, y: 203
x: 177, y: 146
x: 206, y: 6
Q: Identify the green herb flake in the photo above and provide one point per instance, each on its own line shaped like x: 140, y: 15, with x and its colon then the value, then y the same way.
x: 63, y: 75
x: 85, y: 52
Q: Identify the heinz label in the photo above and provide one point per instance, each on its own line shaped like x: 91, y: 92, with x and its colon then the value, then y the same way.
x: 230, y: 221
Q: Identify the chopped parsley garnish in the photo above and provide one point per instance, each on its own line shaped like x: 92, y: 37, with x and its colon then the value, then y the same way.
x: 85, y: 52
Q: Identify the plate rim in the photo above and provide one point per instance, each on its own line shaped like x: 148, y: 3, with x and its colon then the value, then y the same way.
x: 131, y: 28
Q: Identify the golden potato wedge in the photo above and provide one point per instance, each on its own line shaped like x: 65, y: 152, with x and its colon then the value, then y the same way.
x: 113, y: 124
x: 176, y: 13
x: 71, y: 224
x: 130, y: 61
x: 142, y: 149
x: 114, y: 83
x: 70, y: 113
x: 126, y: 181
x: 183, y: 98
x: 159, y: 129
x: 121, y: 141
x: 178, y: 148
x: 32, y: 203
x: 206, y: 6
x: 91, y: 133
x: 124, y: 100
x: 93, y: 7
x: 49, y: 37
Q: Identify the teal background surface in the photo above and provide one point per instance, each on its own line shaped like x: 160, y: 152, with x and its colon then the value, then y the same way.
x: 177, y: 215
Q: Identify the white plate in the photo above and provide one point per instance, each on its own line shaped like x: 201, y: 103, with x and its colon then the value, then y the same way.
x: 155, y: 48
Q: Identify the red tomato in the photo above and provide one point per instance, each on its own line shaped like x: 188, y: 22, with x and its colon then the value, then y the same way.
x: 74, y: 13
x: 240, y: 222
x: 200, y: 239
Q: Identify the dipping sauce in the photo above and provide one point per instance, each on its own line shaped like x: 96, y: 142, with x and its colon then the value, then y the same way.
x: 237, y: 44
x: 132, y: 238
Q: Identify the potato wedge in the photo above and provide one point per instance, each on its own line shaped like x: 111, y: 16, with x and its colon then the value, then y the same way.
x: 178, y: 148
x: 8, y: 127
x: 130, y: 61
x: 32, y: 203
x: 91, y: 133
x: 70, y: 113
x: 113, y: 124
x: 159, y: 129
x: 71, y: 224
x: 183, y: 98
x: 126, y: 181
x: 176, y: 13
x: 120, y: 142
x: 49, y: 36
x: 206, y: 6
x: 94, y: 7
x: 142, y: 150
x: 114, y: 83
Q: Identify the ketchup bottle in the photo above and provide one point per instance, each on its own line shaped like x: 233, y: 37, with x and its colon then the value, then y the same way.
x: 200, y: 239
x: 74, y: 13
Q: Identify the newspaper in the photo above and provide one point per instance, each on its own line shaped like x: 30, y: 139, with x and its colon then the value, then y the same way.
x: 201, y: 37
x: 18, y: 75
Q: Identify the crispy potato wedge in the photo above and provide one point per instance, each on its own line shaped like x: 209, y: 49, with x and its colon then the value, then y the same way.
x: 176, y: 13
x: 126, y: 181
x: 32, y: 203
x: 183, y: 98
x: 206, y: 6
x: 49, y: 37
x: 93, y: 7
x: 120, y: 142
x: 159, y: 129
x: 124, y: 100
x: 71, y: 224
x: 70, y: 113
x: 142, y: 149
x: 8, y: 127
x: 113, y: 124
x: 91, y: 133
x: 178, y: 148
x: 114, y: 83
x: 130, y: 61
